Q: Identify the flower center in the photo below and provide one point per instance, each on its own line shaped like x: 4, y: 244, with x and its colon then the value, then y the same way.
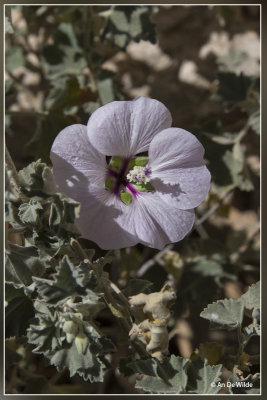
x: 128, y: 177
x: 138, y: 175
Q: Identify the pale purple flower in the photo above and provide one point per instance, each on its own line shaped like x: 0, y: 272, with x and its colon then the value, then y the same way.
x: 175, y: 179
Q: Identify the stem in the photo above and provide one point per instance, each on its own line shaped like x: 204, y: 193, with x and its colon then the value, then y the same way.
x: 86, y: 36
x: 147, y: 265
x: 213, y: 208
x: 240, y: 342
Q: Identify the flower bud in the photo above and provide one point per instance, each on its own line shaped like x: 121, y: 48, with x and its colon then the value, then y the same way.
x: 71, y: 329
x: 81, y: 342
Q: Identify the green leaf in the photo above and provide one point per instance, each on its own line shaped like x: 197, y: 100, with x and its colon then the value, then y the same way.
x: 126, y: 23
x: 126, y: 198
x: 201, y: 376
x: 120, y: 20
x: 22, y: 263
x: 14, y: 58
x: 145, y: 187
x: 239, y: 174
x: 115, y: 162
x: 224, y: 314
x: 86, y: 359
x: 18, y: 313
x: 231, y: 61
x: 45, y: 334
x: 138, y: 161
x: 69, y: 280
x: 88, y: 365
x: 11, y: 213
x: 29, y: 212
x: 109, y: 183
x: 106, y: 89
x: 252, y: 330
x: 175, y: 375
x: 64, y: 56
x: 248, y: 385
x: 8, y: 25
x: 145, y: 367
x: 251, y: 299
x: 31, y: 177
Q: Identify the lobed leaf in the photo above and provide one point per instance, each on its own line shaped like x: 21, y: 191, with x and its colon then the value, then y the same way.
x: 68, y: 281
x: 22, y: 263
x: 224, y: 314
x: 251, y: 299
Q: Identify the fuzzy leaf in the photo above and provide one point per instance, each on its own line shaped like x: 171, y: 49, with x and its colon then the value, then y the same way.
x: 239, y: 174
x: 144, y: 367
x: 201, y: 376
x: 22, y: 263
x: 91, y: 364
x: 65, y: 56
x: 29, y: 212
x: 84, y: 358
x: 251, y: 299
x: 175, y: 375
x: 249, y: 385
x: 252, y: 330
x: 31, y: 176
x: 128, y: 23
x: 224, y: 314
x: 45, y: 334
x: 8, y: 25
x: 106, y: 89
x: 69, y: 280
x: 14, y: 58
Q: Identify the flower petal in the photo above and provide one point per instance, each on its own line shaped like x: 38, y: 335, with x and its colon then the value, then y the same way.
x: 125, y: 128
x: 178, y: 170
x: 158, y: 223
x: 76, y: 160
x: 105, y: 220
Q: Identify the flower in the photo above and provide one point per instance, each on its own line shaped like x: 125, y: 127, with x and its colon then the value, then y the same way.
x: 137, y: 179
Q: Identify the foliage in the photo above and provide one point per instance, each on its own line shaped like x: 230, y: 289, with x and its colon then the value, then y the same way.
x: 83, y: 321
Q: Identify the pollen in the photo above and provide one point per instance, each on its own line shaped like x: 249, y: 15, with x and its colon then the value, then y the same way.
x: 138, y: 175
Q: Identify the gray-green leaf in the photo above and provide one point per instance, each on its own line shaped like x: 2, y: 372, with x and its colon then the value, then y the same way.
x: 224, y: 314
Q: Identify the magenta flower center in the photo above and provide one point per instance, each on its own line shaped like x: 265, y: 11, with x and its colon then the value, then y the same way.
x: 121, y: 179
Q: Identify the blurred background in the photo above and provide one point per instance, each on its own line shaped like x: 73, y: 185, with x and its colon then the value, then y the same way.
x: 203, y: 63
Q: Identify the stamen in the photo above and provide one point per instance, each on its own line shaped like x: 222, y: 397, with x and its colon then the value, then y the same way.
x: 139, y: 175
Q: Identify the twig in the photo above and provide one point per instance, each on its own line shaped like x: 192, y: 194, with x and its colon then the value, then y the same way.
x: 237, y: 254
x: 213, y: 209
x: 148, y: 264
